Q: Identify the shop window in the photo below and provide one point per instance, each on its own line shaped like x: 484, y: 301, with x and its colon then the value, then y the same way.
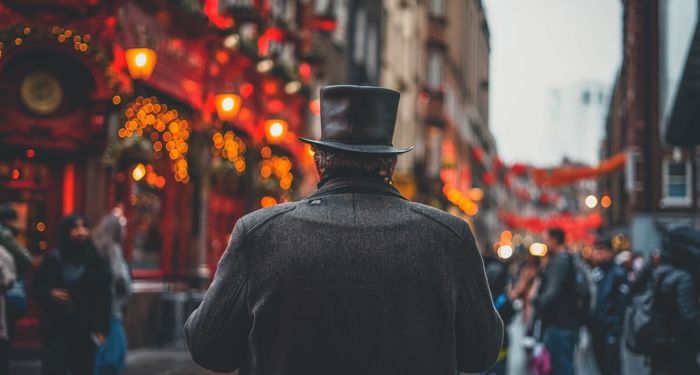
x: 147, y: 239
x: 676, y: 183
x: 434, y: 70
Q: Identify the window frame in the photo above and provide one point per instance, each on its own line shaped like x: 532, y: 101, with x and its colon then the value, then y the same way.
x: 676, y: 202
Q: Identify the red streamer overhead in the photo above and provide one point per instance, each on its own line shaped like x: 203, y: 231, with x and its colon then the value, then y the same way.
x: 570, y: 174
x: 578, y: 228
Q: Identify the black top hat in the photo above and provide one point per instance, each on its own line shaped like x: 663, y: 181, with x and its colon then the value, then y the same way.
x: 358, y: 119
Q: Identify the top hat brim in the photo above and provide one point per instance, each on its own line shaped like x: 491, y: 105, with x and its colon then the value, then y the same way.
x: 363, y: 149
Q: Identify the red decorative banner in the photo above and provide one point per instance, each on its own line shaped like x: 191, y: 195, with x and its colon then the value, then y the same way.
x: 578, y: 228
x: 570, y: 174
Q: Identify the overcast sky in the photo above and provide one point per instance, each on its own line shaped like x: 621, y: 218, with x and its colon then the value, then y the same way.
x: 538, y: 46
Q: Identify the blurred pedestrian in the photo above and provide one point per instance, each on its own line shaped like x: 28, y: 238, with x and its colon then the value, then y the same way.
x: 355, y: 279
x: 611, y: 296
x: 72, y: 288
x: 524, y: 287
x: 499, y: 281
x: 556, y: 304
x: 108, y: 236
x: 7, y: 279
x: 676, y: 286
x: 16, y: 295
x: 8, y: 234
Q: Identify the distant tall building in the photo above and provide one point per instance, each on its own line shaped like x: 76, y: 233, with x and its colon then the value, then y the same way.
x: 437, y: 53
x: 577, y: 120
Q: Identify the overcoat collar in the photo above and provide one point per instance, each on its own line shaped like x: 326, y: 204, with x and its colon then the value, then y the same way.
x: 356, y: 184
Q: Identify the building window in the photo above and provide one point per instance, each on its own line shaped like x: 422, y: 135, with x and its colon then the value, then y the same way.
x: 677, y: 183
x: 437, y: 8
x: 434, y: 70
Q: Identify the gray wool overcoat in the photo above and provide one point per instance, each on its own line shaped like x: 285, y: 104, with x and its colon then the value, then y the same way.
x: 354, y: 279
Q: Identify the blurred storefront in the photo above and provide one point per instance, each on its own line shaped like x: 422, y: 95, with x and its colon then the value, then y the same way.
x: 184, y: 112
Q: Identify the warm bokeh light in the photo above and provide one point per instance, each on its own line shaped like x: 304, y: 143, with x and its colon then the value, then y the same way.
x: 505, y: 251
x: 605, y: 201
x: 275, y: 129
x: 30, y: 153
x: 538, y: 249
x: 227, y: 106
x: 591, y: 201
x: 315, y: 107
x: 292, y: 87
x: 265, y: 66
x: 139, y: 172
x: 141, y: 62
x: 475, y: 194
x: 40, y: 226
x: 267, y: 201
x: 506, y: 237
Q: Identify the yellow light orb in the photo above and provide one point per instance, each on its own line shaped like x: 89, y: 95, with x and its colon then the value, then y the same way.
x: 591, y: 201
x: 538, y: 249
x: 139, y: 172
x: 505, y: 251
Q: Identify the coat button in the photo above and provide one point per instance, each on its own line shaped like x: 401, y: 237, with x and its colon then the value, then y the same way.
x: 315, y: 202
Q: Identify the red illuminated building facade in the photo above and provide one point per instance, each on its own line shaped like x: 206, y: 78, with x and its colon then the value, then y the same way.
x: 186, y: 112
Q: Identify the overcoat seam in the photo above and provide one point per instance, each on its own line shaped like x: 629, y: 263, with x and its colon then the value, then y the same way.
x: 274, y: 215
x: 439, y: 222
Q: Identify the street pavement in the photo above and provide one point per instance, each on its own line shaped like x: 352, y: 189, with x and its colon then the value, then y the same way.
x: 140, y: 362
x: 178, y: 362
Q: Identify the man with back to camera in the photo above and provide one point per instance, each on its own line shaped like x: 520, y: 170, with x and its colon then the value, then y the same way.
x: 555, y: 304
x: 354, y: 279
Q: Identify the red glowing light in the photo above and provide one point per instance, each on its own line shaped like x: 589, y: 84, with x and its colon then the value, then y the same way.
x: 68, y: 188
x: 305, y: 71
x: 246, y: 90
x: 315, y: 107
x: 31, y: 153
x: 270, y: 87
x: 263, y: 45
x: 275, y: 34
x: 275, y: 105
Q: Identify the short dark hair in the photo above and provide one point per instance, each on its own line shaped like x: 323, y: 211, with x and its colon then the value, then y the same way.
x: 330, y: 161
x: 557, y: 234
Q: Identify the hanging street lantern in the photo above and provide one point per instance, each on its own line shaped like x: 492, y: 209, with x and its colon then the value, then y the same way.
x: 227, y: 106
x: 275, y: 130
x: 141, y: 62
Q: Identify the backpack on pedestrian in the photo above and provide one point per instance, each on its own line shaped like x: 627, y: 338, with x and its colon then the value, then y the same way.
x: 646, y: 326
x: 584, y: 288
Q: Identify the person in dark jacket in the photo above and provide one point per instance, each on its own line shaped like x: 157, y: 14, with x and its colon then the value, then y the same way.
x: 499, y: 281
x: 73, y: 289
x: 612, y: 296
x: 555, y: 304
x: 354, y: 279
x: 675, y: 280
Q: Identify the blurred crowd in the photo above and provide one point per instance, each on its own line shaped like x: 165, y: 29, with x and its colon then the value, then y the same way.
x: 81, y: 288
x: 623, y: 300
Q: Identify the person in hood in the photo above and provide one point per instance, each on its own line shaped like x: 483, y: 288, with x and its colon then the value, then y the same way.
x: 108, y: 236
x: 73, y: 290
x: 675, y: 280
x: 612, y: 296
